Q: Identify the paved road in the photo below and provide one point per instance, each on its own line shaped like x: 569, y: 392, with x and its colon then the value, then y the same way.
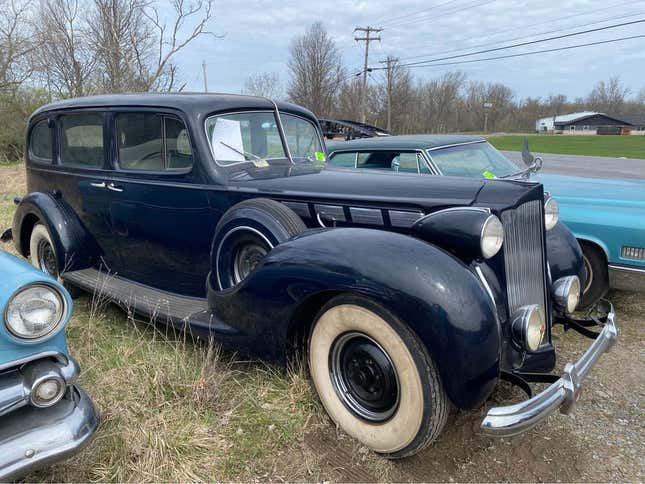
x: 588, y: 166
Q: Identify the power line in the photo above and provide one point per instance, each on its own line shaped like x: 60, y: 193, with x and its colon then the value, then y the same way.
x: 525, y: 36
x: 388, y: 20
x: 521, y: 54
x: 443, y: 14
x: 496, y: 49
x: 548, y: 21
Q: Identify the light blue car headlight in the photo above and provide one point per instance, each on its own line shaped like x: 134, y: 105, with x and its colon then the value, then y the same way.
x: 34, y: 312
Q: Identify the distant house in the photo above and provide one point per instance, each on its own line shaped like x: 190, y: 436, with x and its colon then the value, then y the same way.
x: 636, y: 121
x: 586, y: 122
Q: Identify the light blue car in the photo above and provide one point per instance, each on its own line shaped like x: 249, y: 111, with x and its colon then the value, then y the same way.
x: 606, y: 216
x: 44, y: 416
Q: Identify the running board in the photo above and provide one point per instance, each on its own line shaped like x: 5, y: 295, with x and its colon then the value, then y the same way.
x: 158, y: 306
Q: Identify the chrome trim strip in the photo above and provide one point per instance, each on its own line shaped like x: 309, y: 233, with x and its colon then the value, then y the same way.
x: 219, y: 248
x: 37, y: 437
x: 506, y: 421
x: 457, y: 209
x: 332, y: 212
x: 482, y: 278
x: 403, y: 218
x: 368, y: 216
x: 38, y: 356
x: 456, y: 144
x: 626, y: 278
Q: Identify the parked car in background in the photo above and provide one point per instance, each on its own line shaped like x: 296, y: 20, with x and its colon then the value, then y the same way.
x: 44, y: 416
x: 606, y: 216
x: 214, y: 213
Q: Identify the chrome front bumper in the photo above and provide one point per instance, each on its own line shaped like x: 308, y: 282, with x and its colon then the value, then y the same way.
x: 16, y: 385
x: 31, y: 438
x: 563, y: 394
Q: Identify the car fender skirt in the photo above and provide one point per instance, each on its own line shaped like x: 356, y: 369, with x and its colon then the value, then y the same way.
x: 75, y: 247
x: 564, y: 254
x: 433, y: 292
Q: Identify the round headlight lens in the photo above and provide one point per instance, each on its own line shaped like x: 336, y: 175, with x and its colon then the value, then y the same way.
x: 492, y: 237
x: 34, y: 312
x: 551, y: 213
x: 573, y: 298
x: 535, y: 330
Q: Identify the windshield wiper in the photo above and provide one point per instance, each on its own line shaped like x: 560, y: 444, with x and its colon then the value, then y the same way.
x: 257, y: 160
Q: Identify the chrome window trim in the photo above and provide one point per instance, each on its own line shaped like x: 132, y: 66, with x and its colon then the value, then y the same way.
x: 434, y: 148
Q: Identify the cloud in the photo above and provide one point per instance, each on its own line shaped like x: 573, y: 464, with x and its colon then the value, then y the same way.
x: 257, y: 35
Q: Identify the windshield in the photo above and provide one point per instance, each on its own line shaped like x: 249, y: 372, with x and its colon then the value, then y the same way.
x: 255, y: 137
x: 474, y: 160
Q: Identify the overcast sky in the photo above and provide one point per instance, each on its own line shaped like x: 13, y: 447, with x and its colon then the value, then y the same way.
x: 257, y: 34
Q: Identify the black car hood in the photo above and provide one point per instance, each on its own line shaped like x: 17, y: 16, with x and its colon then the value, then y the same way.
x: 384, y: 189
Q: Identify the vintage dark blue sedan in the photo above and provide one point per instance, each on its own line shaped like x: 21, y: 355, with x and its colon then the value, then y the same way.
x: 212, y: 212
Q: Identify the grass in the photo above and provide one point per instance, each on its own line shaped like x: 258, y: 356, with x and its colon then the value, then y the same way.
x: 612, y: 146
x: 172, y: 409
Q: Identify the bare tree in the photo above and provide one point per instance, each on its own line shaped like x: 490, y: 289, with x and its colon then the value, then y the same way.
x: 608, y: 96
x: 316, y: 70
x: 16, y: 44
x: 266, y: 84
x: 64, y: 55
x: 194, y: 16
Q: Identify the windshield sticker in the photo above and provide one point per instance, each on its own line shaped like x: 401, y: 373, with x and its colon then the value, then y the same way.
x: 320, y: 156
x: 488, y: 174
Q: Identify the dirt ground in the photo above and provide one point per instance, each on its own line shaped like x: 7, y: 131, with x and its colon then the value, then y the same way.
x: 604, y: 440
x: 273, y: 429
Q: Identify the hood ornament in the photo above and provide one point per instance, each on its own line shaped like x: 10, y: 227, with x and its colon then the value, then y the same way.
x: 533, y: 163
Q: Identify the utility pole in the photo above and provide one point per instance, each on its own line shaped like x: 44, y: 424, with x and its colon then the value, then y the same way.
x: 487, y: 106
x: 390, y: 62
x: 204, y: 74
x: 367, y: 39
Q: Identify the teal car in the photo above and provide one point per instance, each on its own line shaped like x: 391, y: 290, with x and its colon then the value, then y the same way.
x: 44, y: 416
x: 607, y: 216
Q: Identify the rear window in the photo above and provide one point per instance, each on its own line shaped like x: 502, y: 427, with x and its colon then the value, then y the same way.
x: 40, y: 142
x: 346, y: 160
x: 152, y: 142
x: 81, y: 140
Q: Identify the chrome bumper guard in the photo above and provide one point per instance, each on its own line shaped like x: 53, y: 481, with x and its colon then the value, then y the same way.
x: 16, y: 385
x: 31, y: 438
x: 514, y: 419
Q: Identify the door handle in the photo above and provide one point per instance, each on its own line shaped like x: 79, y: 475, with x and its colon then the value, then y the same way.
x: 98, y: 184
x: 114, y: 188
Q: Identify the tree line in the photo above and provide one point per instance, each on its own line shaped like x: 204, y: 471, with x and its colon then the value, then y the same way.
x: 66, y: 48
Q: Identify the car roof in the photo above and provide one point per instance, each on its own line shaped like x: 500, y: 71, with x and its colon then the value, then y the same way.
x: 403, y: 142
x: 190, y: 103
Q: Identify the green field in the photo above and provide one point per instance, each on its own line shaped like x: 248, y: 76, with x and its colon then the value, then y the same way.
x: 613, y: 146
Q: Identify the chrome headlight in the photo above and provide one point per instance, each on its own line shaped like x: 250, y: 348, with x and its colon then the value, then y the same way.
x: 566, y: 293
x: 492, y: 237
x: 35, y: 311
x: 529, y: 326
x: 551, y: 213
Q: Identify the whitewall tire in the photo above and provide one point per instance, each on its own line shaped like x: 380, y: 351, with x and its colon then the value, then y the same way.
x: 375, y: 378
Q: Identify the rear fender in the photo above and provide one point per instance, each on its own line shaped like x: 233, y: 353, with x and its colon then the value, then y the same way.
x: 74, y: 247
x: 429, y: 289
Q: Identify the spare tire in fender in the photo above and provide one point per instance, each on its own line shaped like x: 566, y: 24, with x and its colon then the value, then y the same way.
x: 246, y: 233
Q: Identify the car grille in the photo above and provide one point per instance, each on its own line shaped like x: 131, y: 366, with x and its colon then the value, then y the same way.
x: 524, y: 256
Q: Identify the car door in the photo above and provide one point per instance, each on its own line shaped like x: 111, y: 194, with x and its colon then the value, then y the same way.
x: 163, y: 223
x: 81, y: 176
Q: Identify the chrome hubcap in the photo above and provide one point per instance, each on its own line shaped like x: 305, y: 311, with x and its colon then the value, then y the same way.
x: 47, y: 258
x: 364, y: 377
x: 246, y: 260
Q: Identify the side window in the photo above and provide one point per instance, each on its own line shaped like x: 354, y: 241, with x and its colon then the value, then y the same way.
x: 407, y: 163
x: 346, y: 160
x: 140, y: 141
x: 179, y: 154
x: 376, y: 160
x: 40, y: 142
x: 152, y: 142
x: 81, y: 139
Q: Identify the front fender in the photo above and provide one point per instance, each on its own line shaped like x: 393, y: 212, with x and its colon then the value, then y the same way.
x: 564, y: 254
x: 433, y: 292
x: 74, y: 247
